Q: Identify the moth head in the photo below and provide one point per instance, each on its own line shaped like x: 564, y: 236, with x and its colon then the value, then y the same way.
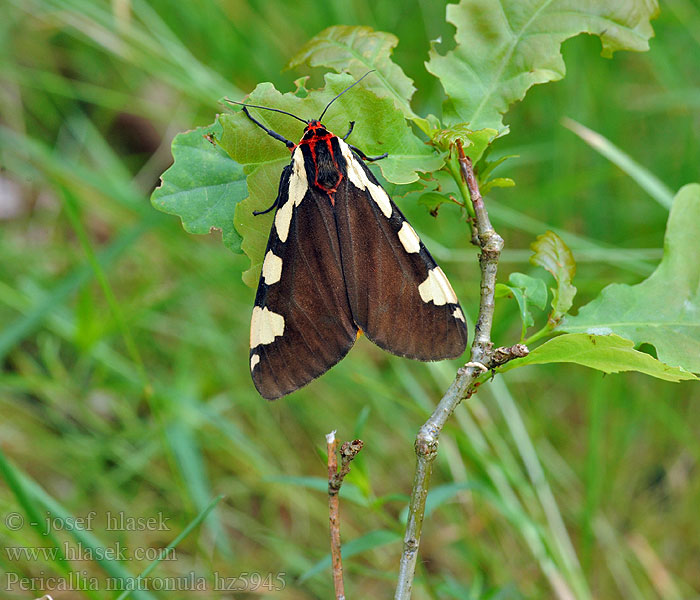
x: 314, y: 129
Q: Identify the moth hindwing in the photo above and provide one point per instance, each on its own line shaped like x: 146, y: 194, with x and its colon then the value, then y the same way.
x: 341, y: 258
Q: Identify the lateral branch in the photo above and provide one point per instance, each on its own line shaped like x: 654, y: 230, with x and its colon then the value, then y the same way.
x: 348, y: 451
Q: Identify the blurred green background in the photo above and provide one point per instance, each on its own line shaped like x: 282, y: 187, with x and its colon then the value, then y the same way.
x: 125, y: 384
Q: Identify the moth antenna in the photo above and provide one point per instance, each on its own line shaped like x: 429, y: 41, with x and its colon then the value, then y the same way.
x: 345, y: 90
x: 268, y: 108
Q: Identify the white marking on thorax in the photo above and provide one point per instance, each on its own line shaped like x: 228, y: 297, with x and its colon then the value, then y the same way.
x: 265, y: 326
x: 272, y: 268
x: 437, y: 288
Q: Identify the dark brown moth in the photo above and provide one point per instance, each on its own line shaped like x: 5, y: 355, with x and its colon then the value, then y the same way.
x: 341, y: 258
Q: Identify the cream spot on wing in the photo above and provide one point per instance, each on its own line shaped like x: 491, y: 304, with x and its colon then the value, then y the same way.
x: 298, y: 185
x: 272, y: 268
x: 458, y: 314
x: 429, y: 290
x: 380, y: 197
x: 283, y: 219
x: 254, y: 360
x: 447, y: 290
x: 409, y: 238
x: 437, y: 289
x: 265, y: 326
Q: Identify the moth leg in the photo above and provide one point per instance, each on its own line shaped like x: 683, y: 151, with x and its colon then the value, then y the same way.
x: 363, y: 156
x: 352, y: 126
x: 269, y: 132
x: 284, y: 182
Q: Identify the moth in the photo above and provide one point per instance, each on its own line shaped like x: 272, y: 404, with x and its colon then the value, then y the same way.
x: 342, y: 259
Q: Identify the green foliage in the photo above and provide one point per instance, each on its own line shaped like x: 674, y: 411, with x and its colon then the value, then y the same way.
x: 369, y: 541
x: 356, y: 50
x: 433, y: 200
x: 349, y: 491
x: 383, y: 102
x: 504, y: 48
x: 204, y: 186
x: 474, y: 143
x: 643, y: 177
x: 527, y: 291
x: 484, y: 171
x: 663, y: 310
x: 577, y: 491
x: 166, y: 553
x: 552, y: 254
x: 608, y: 353
x: 496, y: 182
x: 382, y: 128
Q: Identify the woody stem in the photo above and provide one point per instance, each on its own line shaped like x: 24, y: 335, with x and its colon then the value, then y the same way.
x: 464, y: 385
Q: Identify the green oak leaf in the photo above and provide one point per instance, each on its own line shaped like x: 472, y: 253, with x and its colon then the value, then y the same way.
x: 506, y: 291
x: 301, y: 91
x: 380, y: 128
x: 400, y: 191
x: 506, y: 47
x: 551, y: 253
x: 496, y: 182
x: 433, y: 200
x: 203, y: 186
x: 485, y: 168
x: 474, y: 142
x: 607, y: 353
x: 535, y: 289
x: 527, y: 291
x: 664, y: 309
x: 356, y: 50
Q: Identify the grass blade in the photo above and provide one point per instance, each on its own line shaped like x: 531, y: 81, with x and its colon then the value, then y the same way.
x: 649, y: 182
x: 185, y: 532
x: 369, y: 541
x: 30, y: 321
x: 35, y: 500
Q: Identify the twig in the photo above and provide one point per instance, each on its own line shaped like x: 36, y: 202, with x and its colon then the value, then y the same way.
x: 465, y: 384
x: 348, y: 451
